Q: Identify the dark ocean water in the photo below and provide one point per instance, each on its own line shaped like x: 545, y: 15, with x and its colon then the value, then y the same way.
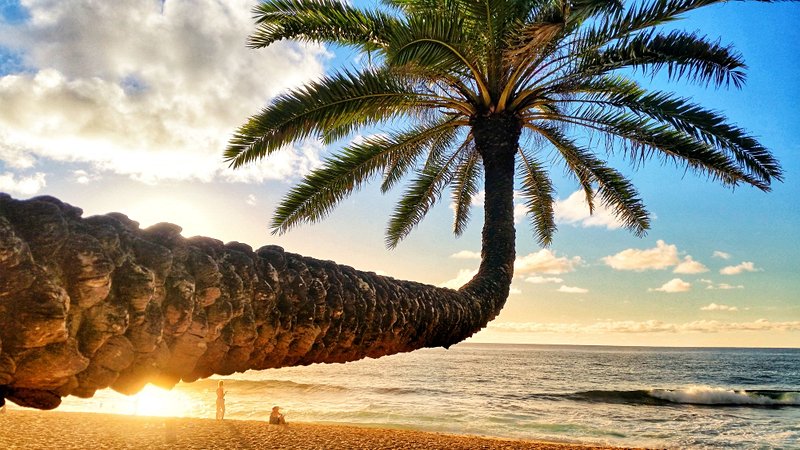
x: 631, y: 396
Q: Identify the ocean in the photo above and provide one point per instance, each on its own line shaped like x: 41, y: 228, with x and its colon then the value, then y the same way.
x: 622, y: 396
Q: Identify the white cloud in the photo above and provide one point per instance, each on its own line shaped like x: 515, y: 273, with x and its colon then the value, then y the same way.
x: 151, y: 95
x: 725, y: 286
x: 690, y: 266
x: 22, y: 185
x: 84, y: 177
x: 721, y: 255
x: 479, y: 199
x: 572, y: 290
x: 14, y: 156
x: 251, y: 200
x: 746, y: 266
x: 520, y: 212
x: 464, y: 275
x: 542, y: 280
x: 514, y: 291
x: 574, y: 210
x: 545, y: 261
x: 660, y: 257
x: 648, y: 326
x: 674, y: 285
x: 81, y: 177
x: 716, y: 307
x: 466, y: 254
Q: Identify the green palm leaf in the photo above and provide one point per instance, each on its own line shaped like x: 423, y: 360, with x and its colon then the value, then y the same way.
x: 425, y: 190
x: 316, y: 196
x: 319, y: 21
x: 436, y: 139
x: 642, y: 138
x: 465, y: 186
x: 615, y: 191
x: 537, y: 191
x: 706, y: 125
x: 342, y: 101
x: 685, y: 56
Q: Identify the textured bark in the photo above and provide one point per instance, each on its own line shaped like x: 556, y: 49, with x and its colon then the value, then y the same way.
x: 97, y: 302
x: 496, y: 139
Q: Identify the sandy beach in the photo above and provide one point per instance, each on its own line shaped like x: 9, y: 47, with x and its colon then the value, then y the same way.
x: 25, y: 429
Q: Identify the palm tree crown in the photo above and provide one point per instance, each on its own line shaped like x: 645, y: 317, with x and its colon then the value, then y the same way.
x: 494, y: 89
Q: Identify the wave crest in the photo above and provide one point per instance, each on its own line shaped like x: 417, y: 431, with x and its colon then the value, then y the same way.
x: 720, y: 396
x: 693, y: 395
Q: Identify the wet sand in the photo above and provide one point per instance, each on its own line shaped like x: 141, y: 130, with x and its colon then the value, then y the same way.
x: 29, y: 429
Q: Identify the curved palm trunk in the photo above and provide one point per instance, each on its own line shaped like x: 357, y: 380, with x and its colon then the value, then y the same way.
x: 90, y: 303
x: 496, y: 139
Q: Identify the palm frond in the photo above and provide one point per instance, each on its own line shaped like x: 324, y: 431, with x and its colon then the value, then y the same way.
x: 437, y: 43
x: 321, y: 190
x: 436, y: 139
x: 465, y: 186
x: 615, y: 191
x: 701, y: 123
x: 685, y: 56
x: 580, y: 10
x: 642, y: 16
x: 424, y: 191
x: 538, y: 192
x: 340, y: 102
x: 320, y: 21
x: 642, y: 138
x: 530, y: 41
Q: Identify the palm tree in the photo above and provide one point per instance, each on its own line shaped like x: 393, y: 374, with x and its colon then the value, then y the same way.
x: 490, y: 88
x: 486, y: 88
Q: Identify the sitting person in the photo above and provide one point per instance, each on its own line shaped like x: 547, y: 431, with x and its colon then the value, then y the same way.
x: 276, y: 418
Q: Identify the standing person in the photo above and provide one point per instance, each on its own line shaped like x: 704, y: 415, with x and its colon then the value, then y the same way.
x: 220, y: 401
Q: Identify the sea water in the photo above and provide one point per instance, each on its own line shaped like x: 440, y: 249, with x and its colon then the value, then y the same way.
x: 622, y: 396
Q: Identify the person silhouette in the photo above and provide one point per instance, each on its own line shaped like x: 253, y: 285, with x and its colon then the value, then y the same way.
x: 220, y: 401
x: 276, y: 418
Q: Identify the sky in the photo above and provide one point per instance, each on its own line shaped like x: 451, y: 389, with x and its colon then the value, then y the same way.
x: 127, y: 107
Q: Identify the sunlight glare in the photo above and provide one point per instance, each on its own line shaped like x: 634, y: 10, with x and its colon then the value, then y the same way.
x: 154, y: 401
x: 191, y: 218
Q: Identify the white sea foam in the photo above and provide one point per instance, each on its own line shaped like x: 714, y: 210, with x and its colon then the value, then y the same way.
x: 705, y: 395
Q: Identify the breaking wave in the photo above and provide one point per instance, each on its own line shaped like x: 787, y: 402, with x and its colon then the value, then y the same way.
x: 702, y: 395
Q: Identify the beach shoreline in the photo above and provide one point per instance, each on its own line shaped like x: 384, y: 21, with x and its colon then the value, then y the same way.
x: 30, y: 429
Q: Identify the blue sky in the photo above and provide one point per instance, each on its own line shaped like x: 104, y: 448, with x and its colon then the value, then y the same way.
x: 128, y: 109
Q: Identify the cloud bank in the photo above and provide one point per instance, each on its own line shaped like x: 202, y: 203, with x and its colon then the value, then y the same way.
x: 648, y: 326
x: 690, y: 266
x: 572, y: 290
x: 542, y: 262
x: 546, y: 262
x: 746, y: 266
x: 716, y: 307
x: 543, y: 280
x: 22, y: 185
x: 129, y: 88
x: 673, y: 286
x: 661, y: 257
x: 575, y: 211
x: 721, y: 255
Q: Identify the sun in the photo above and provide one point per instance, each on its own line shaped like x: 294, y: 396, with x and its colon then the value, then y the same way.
x: 174, y: 209
x: 154, y: 401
